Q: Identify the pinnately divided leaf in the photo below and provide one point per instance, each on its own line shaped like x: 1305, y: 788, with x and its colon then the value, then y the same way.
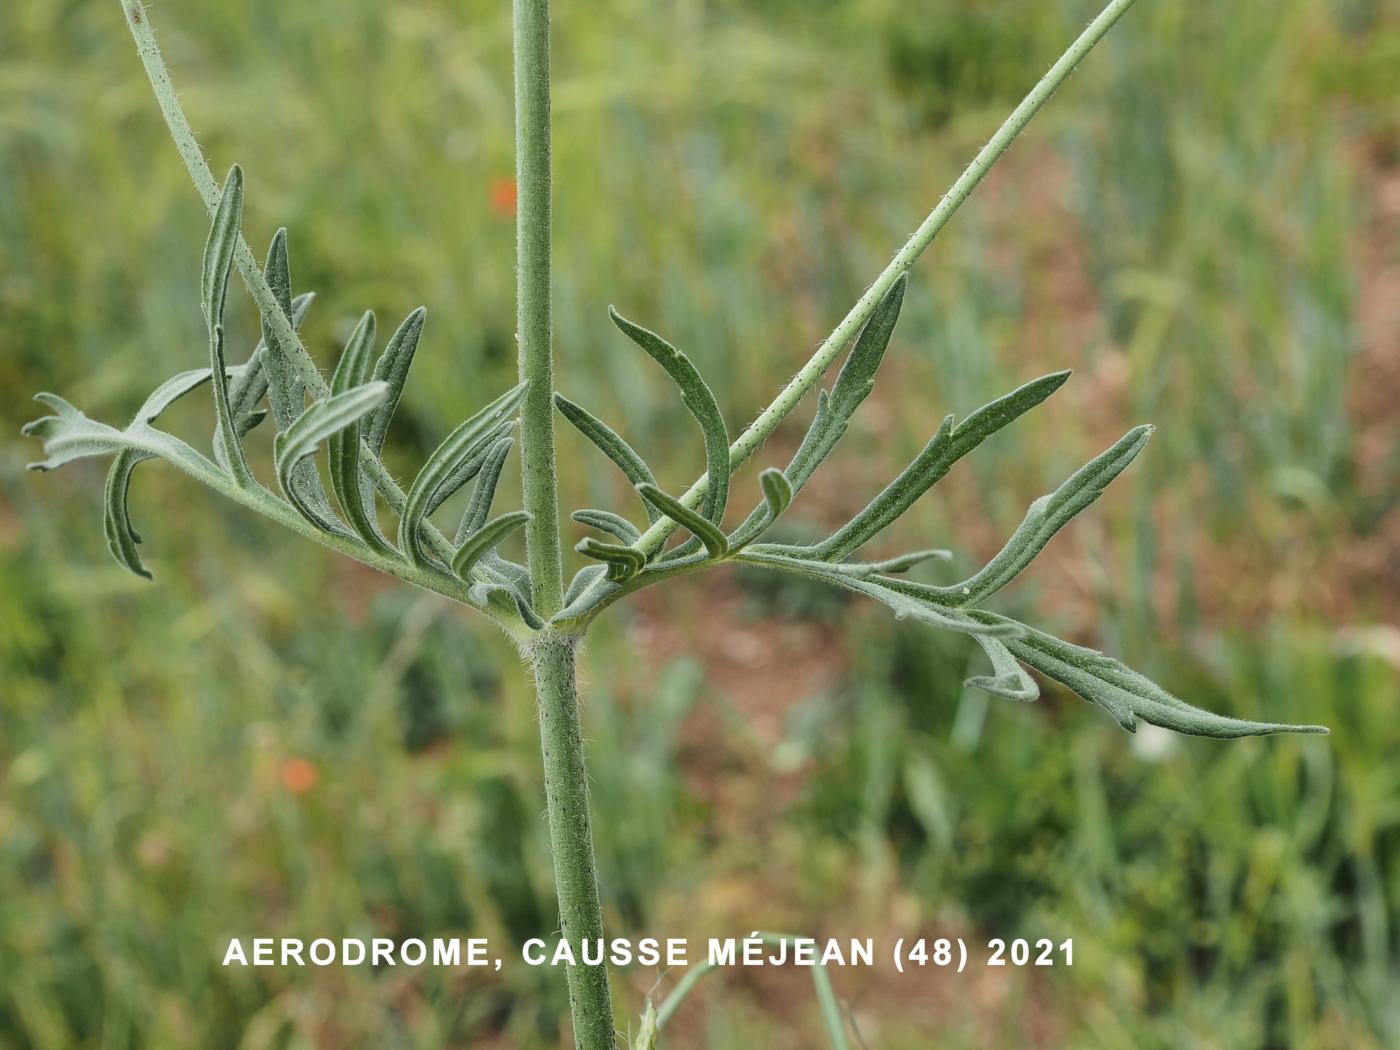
x: 947, y: 446
x: 343, y: 447
x: 698, y: 398
x: 458, y: 447
x: 392, y: 368
x: 701, y: 528
x: 319, y: 422
x: 611, y: 444
x: 1124, y: 693
x: 484, y: 539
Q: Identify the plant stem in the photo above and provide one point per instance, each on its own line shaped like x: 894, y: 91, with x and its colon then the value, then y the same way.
x: 811, y: 372
x: 533, y: 320
x: 554, y: 656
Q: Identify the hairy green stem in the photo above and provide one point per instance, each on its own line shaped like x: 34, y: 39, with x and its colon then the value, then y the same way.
x: 532, y: 312
x: 554, y: 656
x: 811, y: 372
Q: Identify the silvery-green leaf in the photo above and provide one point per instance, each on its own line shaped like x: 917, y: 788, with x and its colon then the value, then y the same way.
x: 861, y: 569
x: 320, y: 420
x: 505, y: 601
x: 623, y: 562
x: 392, y: 368
x: 224, y: 231
x: 122, y: 537
x: 947, y: 446
x: 701, y: 528
x: 777, y: 492
x: 484, y: 492
x: 471, y: 465
x: 250, y: 383
x: 607, y: 521
x: 70, y: 434
x: 1047, y: 516
x: 458, y: 446
x: 285, y: 393
x: 610, y: 443
x: 856, y: 379
x: 483, y: 540
x: 1008, y: 678
x: 699, y: 399
x: 905, y: 606
x: 583, y: 579
x: 343, y: 447
x: 1121, y: 691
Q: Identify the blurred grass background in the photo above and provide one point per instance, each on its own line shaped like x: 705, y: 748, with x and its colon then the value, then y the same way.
x: 1205, y: 224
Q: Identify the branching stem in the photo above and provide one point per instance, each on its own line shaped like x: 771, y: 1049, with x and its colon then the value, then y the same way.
x: 811, y: 372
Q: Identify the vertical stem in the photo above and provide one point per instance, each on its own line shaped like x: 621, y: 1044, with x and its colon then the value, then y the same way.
x: 554, y: 655
x: 533, y: 321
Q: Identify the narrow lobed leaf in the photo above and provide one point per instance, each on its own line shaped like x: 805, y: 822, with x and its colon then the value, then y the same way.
x: 946, y: 447
x: 250, y: 383
x: 1008, y: 678
x: 458, y: 447
x: 698, y: 398
x: 606, y: 521
x: 701, y: 528
x: 484, y: 492
x: 622, y: 562
x: 344, y: 448
x: 392, y: 368
x: 300, y: 440
x: 121, y: 536
x: 484, y: 539
x: 225, y: 231
x: 1048, y: 515
x: 777, y: 492
x: 1124, y: 693
x: 469, y: 467
x: 611, y: 444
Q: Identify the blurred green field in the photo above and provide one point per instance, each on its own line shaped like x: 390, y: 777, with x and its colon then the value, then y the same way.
x: 1205, y: 224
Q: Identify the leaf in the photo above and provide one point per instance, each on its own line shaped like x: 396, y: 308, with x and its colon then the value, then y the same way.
x: 459, y: 446
x: 505, y: 601
x: 251, y: 382
x: 857, y: 376
x: 1008, y: 678
x: 1122, y: 692
x: 905, y: 606
x: 702, y: 529
x: 863, y: 569
x: 583, y: 579
x: 945, y: 448
x: 392, y: 368
x: 70, y: 435
x: 484, y: 492
x: 343, y: 447
x: 1048, y: 515
x: 777, y: 492
x: 286, y: 395
x: 320, y: 421
x: 607, y: 521
x: 470, y: 466
x: 623, y: 562
x: 224, y: 233
x: 122, y: 537
x: 611, y: 444
x: 698, y: 398
x: 484, y: 539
